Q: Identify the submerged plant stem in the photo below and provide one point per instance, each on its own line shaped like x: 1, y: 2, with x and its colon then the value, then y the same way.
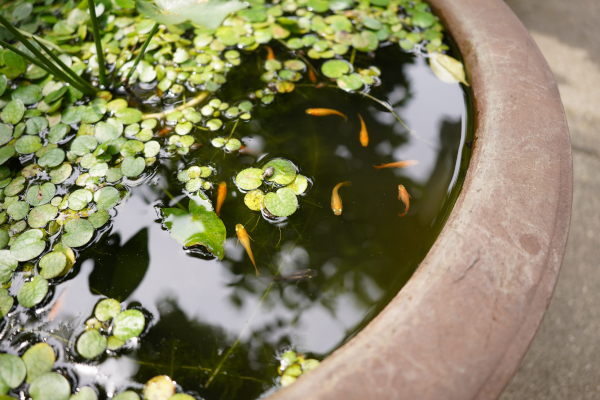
x: 142, y: 51
x: 195, y: 101
x: 97, y: 39
x: 39, y: 39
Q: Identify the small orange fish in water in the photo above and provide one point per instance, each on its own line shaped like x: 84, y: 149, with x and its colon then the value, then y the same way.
x: 322, y: 112
x: 312, y: 76
x: 364, y: 135
x: 270, y: 54
x: 222, y: 192
x: 336, y: 201
x: 404, y: 196
x: 245, y: 239
x: 398, y: 164
x: 58, y: 305
x: 164, y: 131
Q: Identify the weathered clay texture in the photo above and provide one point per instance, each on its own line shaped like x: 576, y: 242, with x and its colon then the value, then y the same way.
x: 461, y: 325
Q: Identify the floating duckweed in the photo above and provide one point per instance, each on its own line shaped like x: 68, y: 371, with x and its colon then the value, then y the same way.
x: 283, y: 203
x: 233, y: 144
x: 254, y: 199
x: 214, y: 124
x: 249, y: 179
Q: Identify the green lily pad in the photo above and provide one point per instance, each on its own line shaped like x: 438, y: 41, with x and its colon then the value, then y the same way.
x: 116, y: 105
x: 365, y: 41
x: 151, y: 148
x: 254, y: 199
x: 200, y: 226
x: 3, y: 84
x: 127, y: 395
x: 91, y: 344
x: 106, y: 198
x: 209, y: 14
x: 335, y: 68
x: 41, y: 215
x: 55, y: 95
x: 98, y: 170
x: 282, y: 203
x: 86, y: 392
x: 4, y: 238
x: 52, y: 264
x: 350, y: 82
x: 114, y: 175
x: 72, y: 115
x: 128, y: 116
x: 28, y: 245
x: 83, y: 145
x: 58, y: 132
x: 39, y: 360
x: 33, y: 292
x: 128, y: 324
x: 5, y: 134
x: 12, y: 372
x: 15, y: 187
x: 107, y: 309
x: 181, y: 396
x: 114, y: 343
x: 36, y: 125
x: 50, y: 386
x: 38, y: 195
x: 6, y: 303
x: 18, y: 210
x: 285, y: 171
x: 159, y: 388
x: 6, y: 153
x: 52, y: 158
x: 28, y: 144
x: 92, y: 114
x: 61, y: 173
x: 423, y: 19
x: 99, y: 218
x: 249, y: 179
x: 105, y: 132
x: 7, y: 265
x: 29, y: 94
x: 132, y: 166
x: 78, y: 233
x: 79, y: 199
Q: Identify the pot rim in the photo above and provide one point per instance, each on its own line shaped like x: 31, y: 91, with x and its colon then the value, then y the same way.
x: 462, y: 324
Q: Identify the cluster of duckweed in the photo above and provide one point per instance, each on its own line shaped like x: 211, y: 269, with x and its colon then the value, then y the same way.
x: 293, y: 365
x: 194, y: 178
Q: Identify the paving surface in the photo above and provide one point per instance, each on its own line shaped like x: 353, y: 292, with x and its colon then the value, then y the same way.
x: 564, y: 359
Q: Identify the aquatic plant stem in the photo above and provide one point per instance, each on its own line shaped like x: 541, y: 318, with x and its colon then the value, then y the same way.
x: 194, y: 102
x: 39, y: 39
x: 99, y: 51
x: 142, y: 51
x: 353, y: 56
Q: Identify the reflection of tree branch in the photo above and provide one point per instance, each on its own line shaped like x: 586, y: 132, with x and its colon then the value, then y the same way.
x: 195, y: 368
x: 195, y: 101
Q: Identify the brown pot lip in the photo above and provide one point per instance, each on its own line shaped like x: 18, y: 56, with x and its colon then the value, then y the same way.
x: 463, y: 322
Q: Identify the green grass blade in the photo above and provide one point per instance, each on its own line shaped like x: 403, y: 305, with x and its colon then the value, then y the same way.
x: 25, y: 56
x: 142, y: 51
x: 99, y: 51
x: 65, y: 68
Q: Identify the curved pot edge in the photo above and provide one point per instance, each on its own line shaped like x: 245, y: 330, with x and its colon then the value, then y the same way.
x: 462, y: 324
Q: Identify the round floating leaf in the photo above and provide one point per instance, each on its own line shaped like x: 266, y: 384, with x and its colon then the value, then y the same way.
x: 151, y: 148
x: 83, y: 145
x: 28, y: 144
x: 6, y: 153
x: 41, y: 215
x: 365, y: 41
x: 128, y: 324
x: 350, y: 82
x: 254, y: 199
x: 79, y: 199
x: 52, y: 158
x: 29, y: 94
x: 249, y: 179
x: 67, y: 251
x: 107, y: 309
x: 114, y: 175
x: 299, y: 185
x: 447, y: 69
x: 78, y: 233
x: 15, y: 187
x: 159, y: 388
x: 7, y: 265
x: 50, y: 386
x: 128, y: 116
x: 105, y: 132
x: 35, y: 125
x: 38, y: 195
x: 6, y: 303
x: 18, y: 210
x: 99, y: 218
x: 58, y: 132
x: 106, y: 198
x: 28, y: 245
x: 3, y: 238
x: 61, y: 174
x: 285, y: 171
x: 55, y: 95
x: 72, y: 115
x: 335, y: 68
x: 114, y: 343
x: 39, y: 360
x: 127, y: 395
x: 5, y: 134
x: 52, y: 264
x: 281, y: 204
x: 181, y: 396
x: 33, y: 292
x: 91, y: 344
x: 13, y: 112
x: 92, y: 114
x: 132, y: 167
x: 3, y: 84
x: 98, y: 170
x: 12, y: 372
x: 85, y: 393
x: 423, y: 19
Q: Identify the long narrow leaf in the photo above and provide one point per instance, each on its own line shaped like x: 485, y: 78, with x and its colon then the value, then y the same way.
x: 142, y: 51
x: 99, y: 51
x: 65, y: 68
x: 55, y: 71
x: 25, y: 56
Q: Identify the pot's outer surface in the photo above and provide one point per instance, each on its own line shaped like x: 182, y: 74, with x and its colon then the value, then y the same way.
x: 462, y: 324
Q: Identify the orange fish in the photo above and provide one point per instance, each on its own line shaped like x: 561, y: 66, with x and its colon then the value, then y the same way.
x: 222, y: 192
x: 58, y: 305
x: 398, y: 164
x: 364, y: 135
x: 336, y: 201
x: 312, y: 76
x: 164, y: 131
x: 245, y: 239
x: 404, y: 196
x: 270, y: 55
x: 321, y: 112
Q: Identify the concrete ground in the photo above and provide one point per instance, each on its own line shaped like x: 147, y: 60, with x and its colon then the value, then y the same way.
x: 563, y: 362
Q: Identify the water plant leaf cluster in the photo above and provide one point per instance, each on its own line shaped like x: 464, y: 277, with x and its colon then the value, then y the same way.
x: 293, y: 365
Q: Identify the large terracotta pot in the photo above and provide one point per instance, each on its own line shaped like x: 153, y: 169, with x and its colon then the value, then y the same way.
x: 462, y: 324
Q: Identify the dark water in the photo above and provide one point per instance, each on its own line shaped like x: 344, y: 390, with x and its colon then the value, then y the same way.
x: 197, y: 309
